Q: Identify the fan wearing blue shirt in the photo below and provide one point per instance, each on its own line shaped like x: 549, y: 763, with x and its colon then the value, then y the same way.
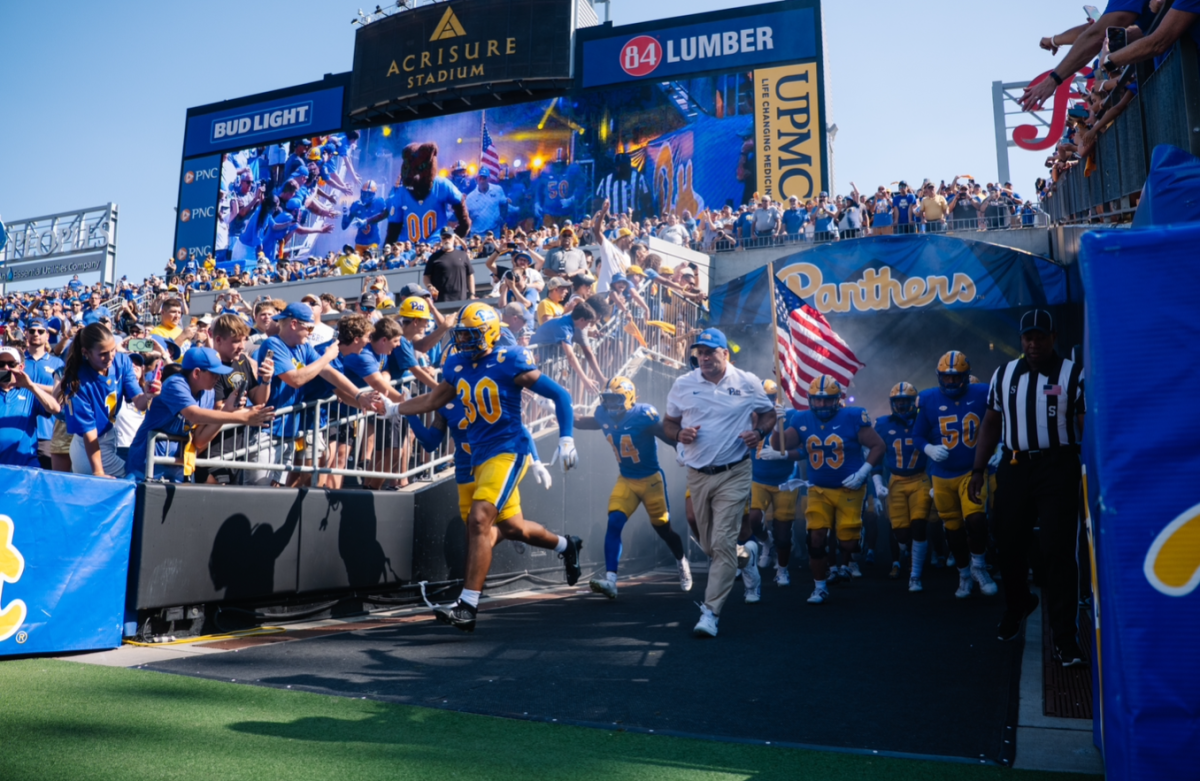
x: 295, y: 364
x: 96, y: 380
x: 948, y: 422
x: 903, y: 206
x: 40, y: 365
x: 23, y: 405
x: 563, y: 330
x: 183, y: 406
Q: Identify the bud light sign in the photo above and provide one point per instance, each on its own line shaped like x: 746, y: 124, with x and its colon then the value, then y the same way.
x: 737, y: 42
x: 261, y: 123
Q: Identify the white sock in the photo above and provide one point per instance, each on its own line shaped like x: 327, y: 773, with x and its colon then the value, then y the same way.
x: 820, y: 584
x: 469, y: 597
x: 562, y: 544
x: 611, y: 577
x: 978, y: 560
x: 918, y: 557
x: 780, y: 567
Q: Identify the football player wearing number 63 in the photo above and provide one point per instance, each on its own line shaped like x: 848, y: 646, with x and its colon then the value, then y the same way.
x: 947, y: 427
x: 488, y: 383
x: 833, y: 438
x: 632, y: 428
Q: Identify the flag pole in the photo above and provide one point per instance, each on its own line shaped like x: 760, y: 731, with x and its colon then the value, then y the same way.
x: 775, y: 349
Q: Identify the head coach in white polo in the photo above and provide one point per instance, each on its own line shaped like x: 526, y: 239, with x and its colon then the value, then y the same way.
x: 718, y: 413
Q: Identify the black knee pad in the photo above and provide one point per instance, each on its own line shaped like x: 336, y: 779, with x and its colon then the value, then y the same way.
x: 814, y: 553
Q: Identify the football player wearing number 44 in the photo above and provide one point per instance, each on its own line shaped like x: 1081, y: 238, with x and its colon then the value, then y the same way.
x: 947, y: 427
x: 488, y: 383
x: 632, y: 428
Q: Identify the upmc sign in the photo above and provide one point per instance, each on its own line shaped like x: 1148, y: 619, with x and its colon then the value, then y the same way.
x: 500, y: 44
x: 737, y: 42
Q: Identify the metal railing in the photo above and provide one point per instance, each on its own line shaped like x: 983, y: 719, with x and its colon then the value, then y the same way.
x: 1166, y: 110
x: 990, y: 220
x: 332, y: 441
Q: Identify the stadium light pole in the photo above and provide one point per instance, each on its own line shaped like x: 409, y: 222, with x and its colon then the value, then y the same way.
x: 832, y: 130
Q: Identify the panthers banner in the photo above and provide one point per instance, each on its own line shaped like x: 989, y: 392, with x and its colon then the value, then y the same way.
x: 64, y: 559
x: 1143, y: 502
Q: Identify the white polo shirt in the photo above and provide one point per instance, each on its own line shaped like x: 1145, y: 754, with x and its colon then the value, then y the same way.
x: 722, y: 411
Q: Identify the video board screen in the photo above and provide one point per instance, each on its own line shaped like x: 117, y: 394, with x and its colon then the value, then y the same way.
x: 649, y: 147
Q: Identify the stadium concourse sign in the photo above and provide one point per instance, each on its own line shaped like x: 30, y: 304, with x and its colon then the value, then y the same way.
x: 56, y: 245
x: 436, y: 52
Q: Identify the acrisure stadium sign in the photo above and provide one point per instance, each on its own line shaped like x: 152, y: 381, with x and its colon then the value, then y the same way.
x: 435, y: 51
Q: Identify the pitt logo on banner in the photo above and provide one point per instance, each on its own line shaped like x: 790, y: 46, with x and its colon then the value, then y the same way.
x: 788, y: 130
x: 1173, y: 562
x: 877, y: 290
x: 12, y: 566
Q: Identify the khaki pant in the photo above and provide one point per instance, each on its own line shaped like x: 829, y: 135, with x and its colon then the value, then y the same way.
x: 719, y: 501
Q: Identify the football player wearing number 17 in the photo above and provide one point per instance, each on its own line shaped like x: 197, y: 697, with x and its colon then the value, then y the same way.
x: 833, y: 438
x: 947, y: 427
x: 488, y: 383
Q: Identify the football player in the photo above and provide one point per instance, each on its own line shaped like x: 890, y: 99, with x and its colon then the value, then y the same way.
x: 770, y: 469
x: 365, y: 214
x: 632, y: 428
x: 833, y: 438
x: 488, y: 383
x: 556, y: 187
x: 908, y: 488
x: 947, y: 426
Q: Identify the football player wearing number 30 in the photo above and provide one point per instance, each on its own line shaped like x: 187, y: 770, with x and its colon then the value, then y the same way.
x: 947, y: 427
x: 488, y: 383
x: 833, y: 438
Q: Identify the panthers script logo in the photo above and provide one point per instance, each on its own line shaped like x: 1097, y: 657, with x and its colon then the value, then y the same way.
x: 12, y: 565
x: 1173, y: 561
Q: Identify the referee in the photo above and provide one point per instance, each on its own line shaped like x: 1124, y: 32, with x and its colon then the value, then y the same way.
x: 1036, y: 403
x: 717, y: 413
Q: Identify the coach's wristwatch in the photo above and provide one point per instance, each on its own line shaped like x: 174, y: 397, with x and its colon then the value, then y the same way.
x: 762, y: 433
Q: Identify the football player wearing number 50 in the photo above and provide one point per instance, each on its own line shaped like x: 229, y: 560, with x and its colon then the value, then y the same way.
x: 488, y: 383
x: 947, y: 427
x: 632, y: 428
x: 833, y: 438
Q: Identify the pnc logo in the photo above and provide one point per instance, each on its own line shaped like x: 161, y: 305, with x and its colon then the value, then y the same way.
x: 1173, y: 562
x: 448, y: 27
x: 641, y: 55
x: 12, y: 566
x: 189, y: 177
x: 185, y: 215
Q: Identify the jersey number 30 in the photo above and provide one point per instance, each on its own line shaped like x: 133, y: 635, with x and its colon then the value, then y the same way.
x: 484, y: 402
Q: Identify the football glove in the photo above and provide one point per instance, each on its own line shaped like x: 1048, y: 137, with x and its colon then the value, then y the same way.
x: 565, y: 454
x: 937, y: 452
x: 856, y: 480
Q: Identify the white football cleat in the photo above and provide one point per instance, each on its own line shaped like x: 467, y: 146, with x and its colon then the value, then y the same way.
x: 604, y: 586
x: 965, y: 587
x: 914, y: 584
x: 987, y: 586
x: 707, y: 625
x: 685, y: 574
x: 818, y: 596
x: 855, y: 572
x: 782, y: 578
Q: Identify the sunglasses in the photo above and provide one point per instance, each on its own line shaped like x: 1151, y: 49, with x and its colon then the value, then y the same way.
x: 36, y: 331
x: 7, y: 365
x: 310, y: 327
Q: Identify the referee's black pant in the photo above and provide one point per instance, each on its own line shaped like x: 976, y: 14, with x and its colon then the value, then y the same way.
x: 1040, y: 490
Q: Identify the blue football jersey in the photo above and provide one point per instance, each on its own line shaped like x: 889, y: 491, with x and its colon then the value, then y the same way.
x: 456, y: 424
x: 491, y: 399
x: 770, y: 473
x: 954, y: 423
x: 422, y: 220
x: 556, y: 190
x: 832, y: 447
x: 901, y: 457
x: 368, y: 232
x: 632, y: 439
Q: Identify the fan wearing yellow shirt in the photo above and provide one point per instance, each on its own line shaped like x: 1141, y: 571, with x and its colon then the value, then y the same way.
x: 550, y: 307
x: 348, y: 262
x: 221, y: 282
x: 934, y: 209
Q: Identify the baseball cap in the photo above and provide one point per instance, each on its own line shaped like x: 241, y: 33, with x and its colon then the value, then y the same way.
x: 624, y: 233
x: 368, y: 299
x: 711, y: 337
x: 38, y: 322
x: 446, y: 233
x: 903, y: 183
x: 205, y: 318
x: 557, y: 282
x: 11, y: 352
x: 635, y: 269
x: 1037, y: 320
x: 513, y: 309
x: 525, y: 255
x: 311, y: 297
x: 204, y: 358
x: 412, y: 289
x: 296, y: 311
x: 618, y: 278
x: 666, y: 271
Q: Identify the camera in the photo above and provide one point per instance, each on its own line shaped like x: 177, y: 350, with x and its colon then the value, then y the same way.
x: 6, y: 376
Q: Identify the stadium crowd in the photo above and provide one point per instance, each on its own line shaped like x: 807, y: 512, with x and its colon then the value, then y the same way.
x: 1106, y: 50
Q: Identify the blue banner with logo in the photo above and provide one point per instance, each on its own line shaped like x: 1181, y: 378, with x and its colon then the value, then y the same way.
x: 196, y: 216
x: 64, y: 560
x: 262, y: 123
x: 1142, y: 463
x: 728, y: 44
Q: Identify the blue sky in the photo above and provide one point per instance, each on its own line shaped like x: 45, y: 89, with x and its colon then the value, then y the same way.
x: 95, y: 94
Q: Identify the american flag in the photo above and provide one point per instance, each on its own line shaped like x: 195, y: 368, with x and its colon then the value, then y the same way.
x: 489, y: 158
x: 808, y: 348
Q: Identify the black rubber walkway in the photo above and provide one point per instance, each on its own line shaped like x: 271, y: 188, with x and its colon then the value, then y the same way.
x: 877, y: 668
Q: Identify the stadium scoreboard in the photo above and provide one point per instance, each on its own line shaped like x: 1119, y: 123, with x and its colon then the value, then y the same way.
x: 681, y: 114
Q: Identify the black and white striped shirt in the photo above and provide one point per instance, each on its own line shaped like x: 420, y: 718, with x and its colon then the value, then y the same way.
x: 1038, y: 411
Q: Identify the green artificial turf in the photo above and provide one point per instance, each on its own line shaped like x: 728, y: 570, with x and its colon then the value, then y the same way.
x: 64, y: 720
